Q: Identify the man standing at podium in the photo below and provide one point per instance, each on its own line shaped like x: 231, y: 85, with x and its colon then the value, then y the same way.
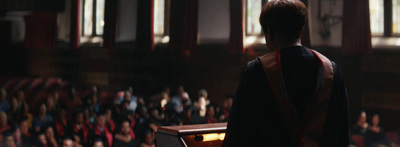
x: 292, y: 96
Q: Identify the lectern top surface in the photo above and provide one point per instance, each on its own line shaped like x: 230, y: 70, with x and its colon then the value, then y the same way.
x: 193, y: 129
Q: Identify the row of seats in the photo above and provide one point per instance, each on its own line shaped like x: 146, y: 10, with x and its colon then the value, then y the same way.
x: 36, y: 90
x: 391, y: 135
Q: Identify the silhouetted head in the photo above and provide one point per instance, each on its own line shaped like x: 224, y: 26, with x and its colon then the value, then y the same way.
x: 375, y: 119
x: 283, y: 21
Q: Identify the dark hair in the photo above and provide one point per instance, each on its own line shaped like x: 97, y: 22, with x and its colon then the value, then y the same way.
x: 76, y: 112
x: 284, y: 17
x: 68, y: 137
x: 372, y: 116
x: 97, y: 139
x: 124, y: 119
x: 6, y: 134
x: 229, y: 96
x: 124, y: 102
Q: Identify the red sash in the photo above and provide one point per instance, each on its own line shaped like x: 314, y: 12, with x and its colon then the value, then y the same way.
x: 112, y: 125
x: 7, y: 128
x: 85, y: 130
x: 89, y: 124
x: 133, y: 122
x: 226, y: 112
x: 107, y: 133
x: 132, y: 134
x: 60, y: 128
x: 305, y: 131
x: 214, y: 120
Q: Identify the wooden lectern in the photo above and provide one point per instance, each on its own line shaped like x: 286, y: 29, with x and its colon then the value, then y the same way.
x: 202, y: 135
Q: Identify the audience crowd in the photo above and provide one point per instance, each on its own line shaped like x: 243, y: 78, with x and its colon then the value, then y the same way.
x: 71, y: 119
x: 371, y: 133
x: 64, y: 115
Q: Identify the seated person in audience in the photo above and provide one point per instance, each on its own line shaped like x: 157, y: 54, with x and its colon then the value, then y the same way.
x: 16, y: 132
x: 68, y: 142
x: 210, y: 116
x: 56, y: 100
x: 42, y: 119
x: 131, y: 99
x: 8, y: 140
x: 124, y: 107
x: 125, y: 137
x: 140, y: 122
x: 13, y: 113
x: 98, y: 143
x: 375, y: 135
x: 203, y: 93
x: 186, y: 102
x: 88, y: 115
x: 172, y: 117
x: 26, y: 136
x: 25, y: 114
x: 41, y: 140
x: 61, y: 124
x: 181, y: 102
x: 226, y: 107
x: 94, y: 90
x: 51, y: 106
x: 155, y: 119
x: 91, y: 102
x: 96, y: 103
x: 141, y: 102
x: 361, y: 126
x: 100, y: 130
x: 352, y: 143
x: 72, y: 100
x: 128, y: 95
x: 149, y: 140
x: 177, y: 100
x: 50, y: 138
x: 77, y: 140
x: 20, y: 139
x: 164, y: 100
x: 69, y: 100
x: 4, y: 105
x: 198, y: 112
x: 79, y: 127
x: 21, y: 98
x: 203, y: 106
x: 187, y: 115
x: 4, y: 123
x: 109, y: 121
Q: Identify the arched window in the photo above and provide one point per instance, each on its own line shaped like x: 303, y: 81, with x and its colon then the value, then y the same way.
x: 93, y: 17
x: 253, y: 10
x: 376, y: 16
x: 385, y: 17
x: 396, y: 17
x: 160, y: 21
x: 253, y: 30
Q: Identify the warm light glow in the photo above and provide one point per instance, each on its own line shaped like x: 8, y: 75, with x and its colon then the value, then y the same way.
x: 165, y: 39
x: 163, y: 102
x: 250, y: 40
x: 213, y: 137
x: 221, y: 136
x: 102, y: 23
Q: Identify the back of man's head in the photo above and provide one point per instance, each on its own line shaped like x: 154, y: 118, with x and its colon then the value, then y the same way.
x: 284, y: 18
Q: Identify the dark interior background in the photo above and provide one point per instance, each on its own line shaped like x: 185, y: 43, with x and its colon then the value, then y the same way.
x: 373, y: 80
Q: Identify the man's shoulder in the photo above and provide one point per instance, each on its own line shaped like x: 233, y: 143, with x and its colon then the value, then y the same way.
x: 253, y: 69
x: 253, y: 64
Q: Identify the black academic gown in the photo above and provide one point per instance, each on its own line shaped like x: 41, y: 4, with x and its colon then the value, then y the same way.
x: 255, y: 118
